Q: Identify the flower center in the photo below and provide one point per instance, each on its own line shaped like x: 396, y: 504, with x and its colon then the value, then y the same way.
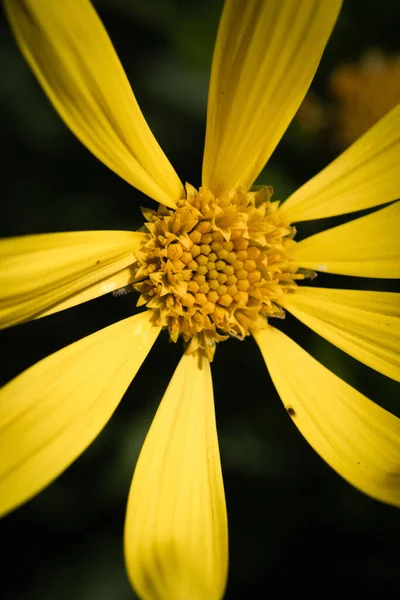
x: 215, y: 268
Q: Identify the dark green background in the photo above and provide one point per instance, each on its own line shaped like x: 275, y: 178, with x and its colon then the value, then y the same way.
x: 295, y: 526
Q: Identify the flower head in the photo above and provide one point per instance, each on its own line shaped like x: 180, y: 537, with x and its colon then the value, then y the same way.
x: 209, y: 263
x: 364, y: 92
x: 215, y: 267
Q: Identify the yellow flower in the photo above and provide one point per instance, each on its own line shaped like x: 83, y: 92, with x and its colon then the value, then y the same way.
x: 211, y: 263
x: 364, y: 91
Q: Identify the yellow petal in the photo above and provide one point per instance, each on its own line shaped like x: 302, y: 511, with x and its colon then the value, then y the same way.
x: 265, y: 57
x: 365, y: 175
x: 105, y: 286
x: 176, y: 541
x: 365, y: 247
x: 366, y: 325
x: 50, y: 413
x: 74, y: 60
x: 39, y: 271
x: 355, y: 436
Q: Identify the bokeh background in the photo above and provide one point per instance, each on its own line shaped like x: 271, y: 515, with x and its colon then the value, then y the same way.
x: 295, y: 526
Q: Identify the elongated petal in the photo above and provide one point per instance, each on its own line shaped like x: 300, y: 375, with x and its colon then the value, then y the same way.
x: 39, y: 271
x: 364, y: 324
x: 105, y: 286
x: 365, y: 175
x: 176, y: 525
x: 365, y: 247
x: 50, y: 413
x: 355, y: 436
x: 265, y: 57
x: 75, y: 62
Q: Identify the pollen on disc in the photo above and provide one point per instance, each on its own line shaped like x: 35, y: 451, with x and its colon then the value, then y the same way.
x: 215, y: 268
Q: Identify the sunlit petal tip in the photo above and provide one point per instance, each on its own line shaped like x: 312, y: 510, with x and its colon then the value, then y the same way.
x: 70, y: 53
x: 364, y: 247
x: 41, y: 274
x: 176, y: 541
x: 365, y: 175
x: 364, y: 324
x: 355, y: 436
x: 265, y: 57
x: 50, y: 413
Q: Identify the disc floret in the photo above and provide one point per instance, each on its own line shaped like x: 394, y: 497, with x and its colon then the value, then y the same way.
x: 215, y: 267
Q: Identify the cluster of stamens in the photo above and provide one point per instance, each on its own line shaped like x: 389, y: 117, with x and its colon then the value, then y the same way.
x: 215, y: 268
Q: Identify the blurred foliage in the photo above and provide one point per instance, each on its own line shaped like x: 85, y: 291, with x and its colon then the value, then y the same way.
x: 295, y: 526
